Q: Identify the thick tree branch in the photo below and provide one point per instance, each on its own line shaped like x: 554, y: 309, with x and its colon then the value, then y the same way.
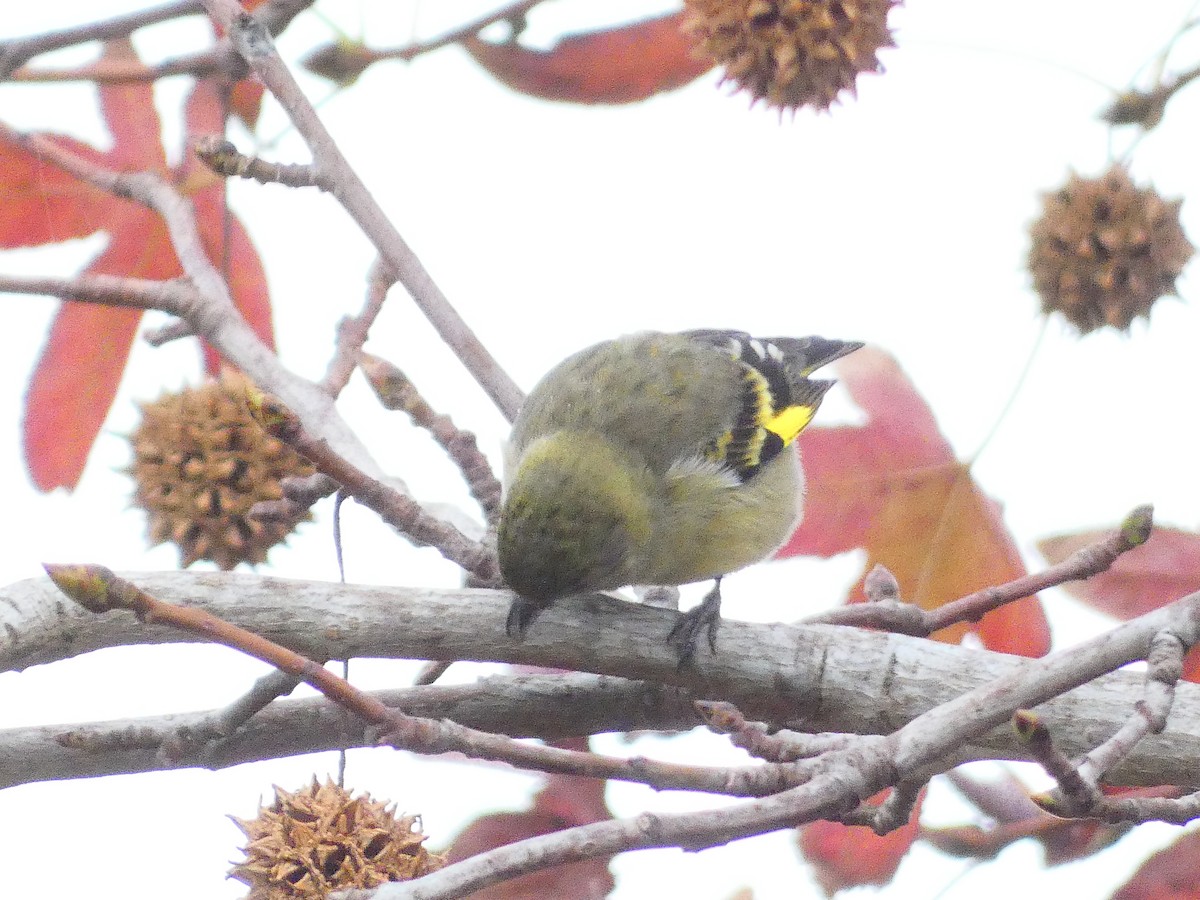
x: 817, y: 678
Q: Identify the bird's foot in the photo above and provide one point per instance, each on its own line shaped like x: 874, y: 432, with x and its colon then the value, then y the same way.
x: 687, y: 630
x: 520, y: 616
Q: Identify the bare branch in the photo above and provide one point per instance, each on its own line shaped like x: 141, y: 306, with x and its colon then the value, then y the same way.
x: 18, y: 51
x: 353, y: 331
x: 100, y: 590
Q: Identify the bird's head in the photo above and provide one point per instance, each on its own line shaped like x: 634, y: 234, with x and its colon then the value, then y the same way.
x: 576, y: 510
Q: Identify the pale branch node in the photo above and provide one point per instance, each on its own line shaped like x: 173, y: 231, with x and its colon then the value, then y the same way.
x: 545, y: 707
x: 399, y: 510
x: 397, y: 392
x: 880, y: 585
x: 890, y: 814
x: 209, y: 310
x: 891, y: 613
x: 353, y: 331
x: 833, y: 787
x: 783, y: 746
x: 204, y: 738
x: 254, y: 43
x: 100, y: 590
x: 223, y: 157
x: 173, y: 331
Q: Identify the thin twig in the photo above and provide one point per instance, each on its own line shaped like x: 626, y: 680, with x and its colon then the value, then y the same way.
x: 396, y: 391
x: 223, y: 157
x: 908, y: 618
x: 17, y: 51
x: 399, y: 510
x: 353, y: 331
x: 175, y: 297
x: 254, y: 43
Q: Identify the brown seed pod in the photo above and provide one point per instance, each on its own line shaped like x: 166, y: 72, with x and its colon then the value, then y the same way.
x: 321, y: 839
x: 792, y: 53
x: 1104, y: 250
x: 200, y: 462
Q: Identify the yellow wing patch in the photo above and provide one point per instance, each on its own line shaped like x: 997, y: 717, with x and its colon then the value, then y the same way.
x: 790, y: 421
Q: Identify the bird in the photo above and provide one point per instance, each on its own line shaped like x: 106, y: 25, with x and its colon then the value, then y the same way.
x: 657, y: 458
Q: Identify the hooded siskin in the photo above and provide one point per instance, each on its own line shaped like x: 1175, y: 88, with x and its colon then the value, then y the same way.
x: 656, y: 459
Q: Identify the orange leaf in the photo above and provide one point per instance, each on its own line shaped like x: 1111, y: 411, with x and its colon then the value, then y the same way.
x: 845, y: 856
x: 245, y: 101
x: 1170, y: 874
x: 618, y: 65
x: 895, y: 488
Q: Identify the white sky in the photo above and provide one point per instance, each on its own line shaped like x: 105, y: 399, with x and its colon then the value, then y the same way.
x: 899, y: 219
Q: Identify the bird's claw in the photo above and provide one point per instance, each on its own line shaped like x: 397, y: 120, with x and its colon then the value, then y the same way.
x: 520, y: 616
x: 688, y: 628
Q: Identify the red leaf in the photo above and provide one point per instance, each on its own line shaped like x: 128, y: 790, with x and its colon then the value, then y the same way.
x: 617, y: 65
x: 42, y: 203
x: 1160, y: 571
x: 894, y: 487
x: 80, y: 369
x: 1170, y: 874
x: 845, y: 856
x: 565, y: 802
x: 131, y: 117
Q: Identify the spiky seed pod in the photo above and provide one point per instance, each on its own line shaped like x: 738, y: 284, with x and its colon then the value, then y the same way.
x: 200, y: 462
x: 320, y: 839
x: 1104, y: 250
x: 792, y: 53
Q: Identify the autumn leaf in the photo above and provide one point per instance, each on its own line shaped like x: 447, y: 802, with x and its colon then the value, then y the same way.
x: 1169, y: 873
x: 845, y: 856
x: 616, y: 65
x: 894, y: 487
x: 76, y: 378
x: 566, y: 801
x: 1160, y: 571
